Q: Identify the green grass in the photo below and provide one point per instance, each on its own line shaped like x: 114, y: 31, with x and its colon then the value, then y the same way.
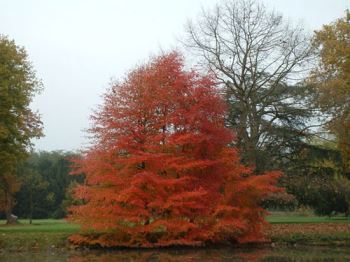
x: 294, y: 219
x: 39, y: 225
x: 43, y: 234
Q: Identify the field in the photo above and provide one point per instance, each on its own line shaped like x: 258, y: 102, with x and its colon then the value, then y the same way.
x: 285, y: 229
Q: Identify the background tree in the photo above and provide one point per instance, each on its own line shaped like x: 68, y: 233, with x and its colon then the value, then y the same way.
x: 317, y: 179
x: 18, y: 123
x: 45, y: 181
x: 332, y: 80
x: 33, y: 189
x: 159, y: 172
x: 259, y: 60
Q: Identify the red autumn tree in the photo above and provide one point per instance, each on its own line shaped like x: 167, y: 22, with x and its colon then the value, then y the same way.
x: 160, y: 171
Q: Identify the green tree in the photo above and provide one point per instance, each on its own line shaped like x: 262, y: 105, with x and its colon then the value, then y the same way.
x: 48, y: 174
x: 34, y: 190
x: 259, y: 59
x: 317, y: 179
x: 331, y: 80
x: 18, y: 123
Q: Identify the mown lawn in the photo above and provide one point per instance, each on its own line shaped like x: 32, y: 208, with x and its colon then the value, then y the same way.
x: 43, y: 234
x: 39, y: 225
x: 295, y: 219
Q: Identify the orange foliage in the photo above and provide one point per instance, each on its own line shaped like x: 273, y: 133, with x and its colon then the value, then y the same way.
x: 160, y: 173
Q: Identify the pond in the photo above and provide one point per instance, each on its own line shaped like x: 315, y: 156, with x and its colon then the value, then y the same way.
x: 186, y: 255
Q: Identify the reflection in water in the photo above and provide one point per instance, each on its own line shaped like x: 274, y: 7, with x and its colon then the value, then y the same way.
x: 216, y: 255
x: 185, y: 255
x: 172, y: 255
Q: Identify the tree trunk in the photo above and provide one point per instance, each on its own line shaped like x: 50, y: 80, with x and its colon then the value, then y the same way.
x: 10, y: 218
x: 31, y: 206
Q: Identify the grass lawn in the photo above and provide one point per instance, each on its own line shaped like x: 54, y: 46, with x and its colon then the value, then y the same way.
x: 39, y: 225
x: 295, y: 219
x: 43, y: 234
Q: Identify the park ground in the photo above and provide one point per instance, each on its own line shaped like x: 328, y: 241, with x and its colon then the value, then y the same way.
x: 285, y: 229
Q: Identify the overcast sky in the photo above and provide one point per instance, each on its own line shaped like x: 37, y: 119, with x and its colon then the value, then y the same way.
x: 77, y: 46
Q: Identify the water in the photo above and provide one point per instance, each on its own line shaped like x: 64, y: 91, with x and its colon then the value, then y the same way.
x: 186, y: 255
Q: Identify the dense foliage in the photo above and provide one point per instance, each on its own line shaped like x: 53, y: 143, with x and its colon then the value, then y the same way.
x: 317, y: 179
x: 45, y: 183
x: 159, y: 172
x: 18, y: 123
x: 331, y: 80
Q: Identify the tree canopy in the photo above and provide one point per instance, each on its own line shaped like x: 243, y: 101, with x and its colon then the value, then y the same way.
x: 18, y: 123
x: 260, y: 61
x: 331, y: 79
x: 159, y: 172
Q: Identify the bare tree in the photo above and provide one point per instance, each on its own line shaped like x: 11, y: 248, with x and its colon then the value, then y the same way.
x: 260, y: 60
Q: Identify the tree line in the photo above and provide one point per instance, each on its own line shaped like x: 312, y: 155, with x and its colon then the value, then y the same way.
x: 45, y: 185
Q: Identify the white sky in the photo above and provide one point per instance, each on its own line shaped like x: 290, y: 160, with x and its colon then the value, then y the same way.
x: 77, y: 46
